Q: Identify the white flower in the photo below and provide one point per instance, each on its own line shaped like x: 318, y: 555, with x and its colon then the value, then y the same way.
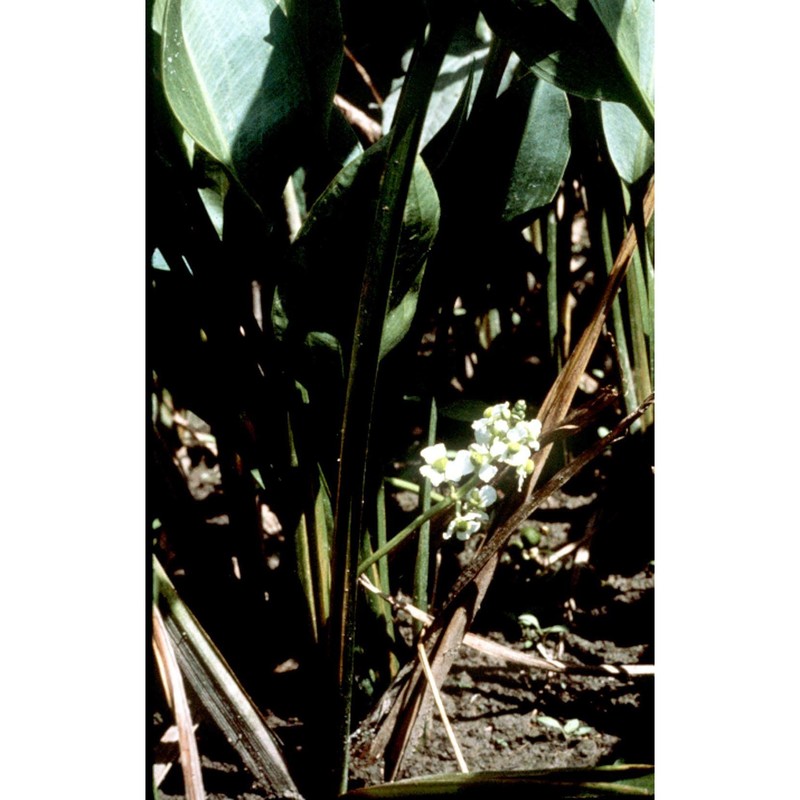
x: 434, y: 453
x: 499, y: 411
x: 464, y: 525
x: 436, y: 463
x: 460, y: 466
x: 483, y: 497
x: 482, y: 459
x: 512, y: 453
x: 523, y: 471
x: 483, y: 433
x: 526, y: 432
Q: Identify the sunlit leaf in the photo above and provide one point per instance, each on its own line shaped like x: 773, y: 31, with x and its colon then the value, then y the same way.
x: 629, y: 144
x: 543, y: 152
x: 631, y: 25
x: 230, y: 72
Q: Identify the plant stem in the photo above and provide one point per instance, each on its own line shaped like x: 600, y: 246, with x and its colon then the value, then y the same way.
x: 421, y: 567
x: 434, y: 511
x: 620, y: 340
x: 363, y: 370
x: 400, y: 483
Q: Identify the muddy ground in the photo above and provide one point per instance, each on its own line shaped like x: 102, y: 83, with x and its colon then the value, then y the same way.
x: 506, y: 716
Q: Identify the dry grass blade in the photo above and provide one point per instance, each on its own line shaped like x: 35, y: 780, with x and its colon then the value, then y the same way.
x: 216, y: 687
x: 173, y: 684
x: 560, y: 396
x: 166, y: 754
x: 402, y: 725
x: 503, y: 532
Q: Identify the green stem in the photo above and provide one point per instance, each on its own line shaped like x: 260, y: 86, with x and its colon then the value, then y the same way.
x: 402, y: 147
x: 628, y: 390
x: 639, y: 322
x: 383, y: 576
x: 432, y: 512
x: 422, y: 565
x: 399, y: 483
x: 552, y: 289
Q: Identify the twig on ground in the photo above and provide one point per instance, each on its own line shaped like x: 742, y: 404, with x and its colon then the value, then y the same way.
x: 364, y: 75
x: 437, y: 698
x: 359, y: 119
x: 505, y: 653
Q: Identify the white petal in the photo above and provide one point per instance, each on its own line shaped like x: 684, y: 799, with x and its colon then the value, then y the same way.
x: 487, y: 472
x: 488, y: 495
x: 519, y: 458
x: 460, y: 466
x: 498, y: 449
x: 434, y: 453
x: 464, y: 533
x: 435, y: 476
x: 482, y: 433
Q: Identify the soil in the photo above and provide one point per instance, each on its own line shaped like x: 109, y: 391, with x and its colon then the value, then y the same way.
x: 507, y: 717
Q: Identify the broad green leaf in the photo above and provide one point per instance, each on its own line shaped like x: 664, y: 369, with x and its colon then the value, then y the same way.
x: 464, y: 410
x: 323, y: 278
x: 230, y: 72
x: 631, y: 26
x: 568, y: 45
x: 629, y: 144
x: 213, y: 185
x: 543, y: 153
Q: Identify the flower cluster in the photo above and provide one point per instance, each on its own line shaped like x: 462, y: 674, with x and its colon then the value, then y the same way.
x: 502, y: 436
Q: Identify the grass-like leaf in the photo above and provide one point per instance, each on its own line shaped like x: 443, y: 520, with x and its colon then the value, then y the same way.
x: 216, y: 687
x: 176, y: 695
x: 631, y: 780
x: 378, y: 275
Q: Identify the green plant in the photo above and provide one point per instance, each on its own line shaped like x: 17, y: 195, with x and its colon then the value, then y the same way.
x: 570, y: 728
x: 533, y: 633
x: 310, y: 288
